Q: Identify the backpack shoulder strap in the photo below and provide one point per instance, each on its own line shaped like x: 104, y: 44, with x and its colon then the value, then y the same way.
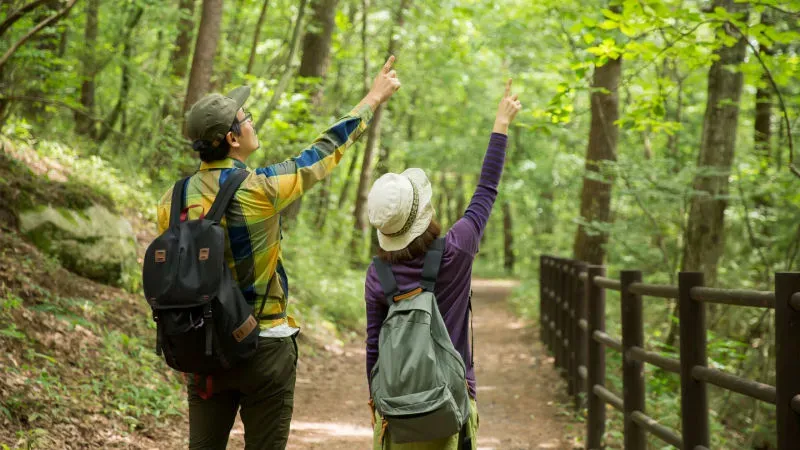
x: 177, y: 201
x: 433, y: 260
x: 225, y: 194
x: 386, y: 277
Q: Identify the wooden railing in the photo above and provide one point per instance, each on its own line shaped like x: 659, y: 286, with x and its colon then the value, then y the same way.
x: 572, y: 326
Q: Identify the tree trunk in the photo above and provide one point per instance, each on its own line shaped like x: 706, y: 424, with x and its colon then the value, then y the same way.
x: 763, y: 122
x: 508, y: 239
x: 287, y: 70
x: 204, y: 51
x: 349, y: 177
x: 125, y: 84
x: 603, y: 136
x: 383, y: 156
x: 180, y: 55
x: 232, y: 38
x: 183, y: 43
x: 314, y: 64
x: 323, y: 204
x: 317, y: 48
x: 364, y: 181
x: 705, y: 230
x: 460, y: 197
x: 763, y: 119
x: 83, y: 124
x: 364, y: 51
x: 256, y: 36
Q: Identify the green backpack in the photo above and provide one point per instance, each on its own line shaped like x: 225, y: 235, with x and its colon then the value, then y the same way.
x: 419, y: 383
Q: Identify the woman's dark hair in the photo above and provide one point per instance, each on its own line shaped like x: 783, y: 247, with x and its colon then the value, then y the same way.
x: 209, y: 153
x: 417, y: 247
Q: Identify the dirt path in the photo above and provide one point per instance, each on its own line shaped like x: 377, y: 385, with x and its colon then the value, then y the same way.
x: 518, y: 390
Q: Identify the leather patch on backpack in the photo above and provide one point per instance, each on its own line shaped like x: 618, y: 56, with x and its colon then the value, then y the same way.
x: 161, y: 256
x: 203, y: 254
x: 245, y: 329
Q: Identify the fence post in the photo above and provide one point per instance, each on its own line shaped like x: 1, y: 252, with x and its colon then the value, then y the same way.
x: 543, y: 298
x: 561, y: 364
x: 579, y: 335
x: 569, y: 331
x: 694, y: 400
x: 556, y: 318
x: 787, y: 362
x: 548, y: 306
x: 596, y: 312
x: 633, y: 386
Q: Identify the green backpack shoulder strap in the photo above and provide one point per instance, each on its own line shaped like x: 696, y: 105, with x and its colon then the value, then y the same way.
x: 386, y: 277
x: 430, y: 269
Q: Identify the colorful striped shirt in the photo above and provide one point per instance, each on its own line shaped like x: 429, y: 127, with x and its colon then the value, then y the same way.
x: 252, y: 220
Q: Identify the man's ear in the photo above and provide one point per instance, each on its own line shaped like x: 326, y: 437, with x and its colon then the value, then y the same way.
x: 232, y: 141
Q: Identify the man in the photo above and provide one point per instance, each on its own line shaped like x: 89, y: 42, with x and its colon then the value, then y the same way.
x: 222, y: 132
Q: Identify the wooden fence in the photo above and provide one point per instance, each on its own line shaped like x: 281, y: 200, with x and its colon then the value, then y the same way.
x: 572, y: 325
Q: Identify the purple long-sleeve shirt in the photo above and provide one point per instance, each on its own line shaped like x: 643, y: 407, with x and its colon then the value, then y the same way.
x: 455, y: 273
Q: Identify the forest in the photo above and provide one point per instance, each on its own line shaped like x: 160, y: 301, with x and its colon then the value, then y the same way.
x: 658, y: 135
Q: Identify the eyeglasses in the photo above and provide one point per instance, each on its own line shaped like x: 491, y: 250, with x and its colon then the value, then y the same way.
x: 247, y: 117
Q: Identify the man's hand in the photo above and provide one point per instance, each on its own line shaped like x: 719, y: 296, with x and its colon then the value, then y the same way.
x: 506, y: 111
x: 385, y: 84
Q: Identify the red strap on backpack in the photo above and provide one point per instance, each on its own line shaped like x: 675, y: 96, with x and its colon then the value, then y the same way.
x: 185, y: 212
x: 206, y: 393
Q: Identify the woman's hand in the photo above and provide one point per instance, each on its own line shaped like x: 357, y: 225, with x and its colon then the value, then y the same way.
x: 506, y: 111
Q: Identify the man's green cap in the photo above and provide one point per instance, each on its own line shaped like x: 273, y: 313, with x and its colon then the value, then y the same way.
x: 211, y: 117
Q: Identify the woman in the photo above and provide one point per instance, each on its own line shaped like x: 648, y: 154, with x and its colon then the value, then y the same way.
x: 399, y: 206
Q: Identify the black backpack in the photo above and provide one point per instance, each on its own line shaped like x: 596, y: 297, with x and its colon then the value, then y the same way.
x: 204, y: 324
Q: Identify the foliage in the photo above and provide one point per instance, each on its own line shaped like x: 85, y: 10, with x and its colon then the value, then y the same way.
x: 453, y: 57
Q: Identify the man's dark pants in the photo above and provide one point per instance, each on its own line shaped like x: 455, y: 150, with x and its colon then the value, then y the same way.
x: 263, y: 387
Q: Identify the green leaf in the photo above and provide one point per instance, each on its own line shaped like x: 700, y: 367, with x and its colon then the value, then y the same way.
x: 609, y: 25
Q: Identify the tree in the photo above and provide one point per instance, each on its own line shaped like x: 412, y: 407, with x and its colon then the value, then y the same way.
x: 595, y: 209
x: 125, y: 83
x: 288, y: 68
x: 83, y: 122
x: 183, y: 43
x: 763, y: 120
x: 314, y: 65
x: 705, y: 230
x: 373, y: 138
x: 508, y: 239
x: 317, y: 47
x: 44, y: 23
x: 204, y: 51
x: 343, y: 195
x: 256, y: 36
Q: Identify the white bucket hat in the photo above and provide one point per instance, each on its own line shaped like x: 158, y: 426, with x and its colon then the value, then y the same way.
x: 399, y: 206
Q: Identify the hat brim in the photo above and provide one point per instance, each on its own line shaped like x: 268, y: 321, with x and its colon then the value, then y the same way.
x: 240, y: 95
x: 424, y: 217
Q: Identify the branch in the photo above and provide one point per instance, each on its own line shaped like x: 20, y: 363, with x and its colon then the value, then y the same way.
x: 667, y: 47
x: 16, y: 15
x: 780, y: 98
x: 776, y: 8
x: 36, y: 29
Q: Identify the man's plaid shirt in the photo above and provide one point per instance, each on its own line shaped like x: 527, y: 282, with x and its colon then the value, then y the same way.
x: 252, y: 221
